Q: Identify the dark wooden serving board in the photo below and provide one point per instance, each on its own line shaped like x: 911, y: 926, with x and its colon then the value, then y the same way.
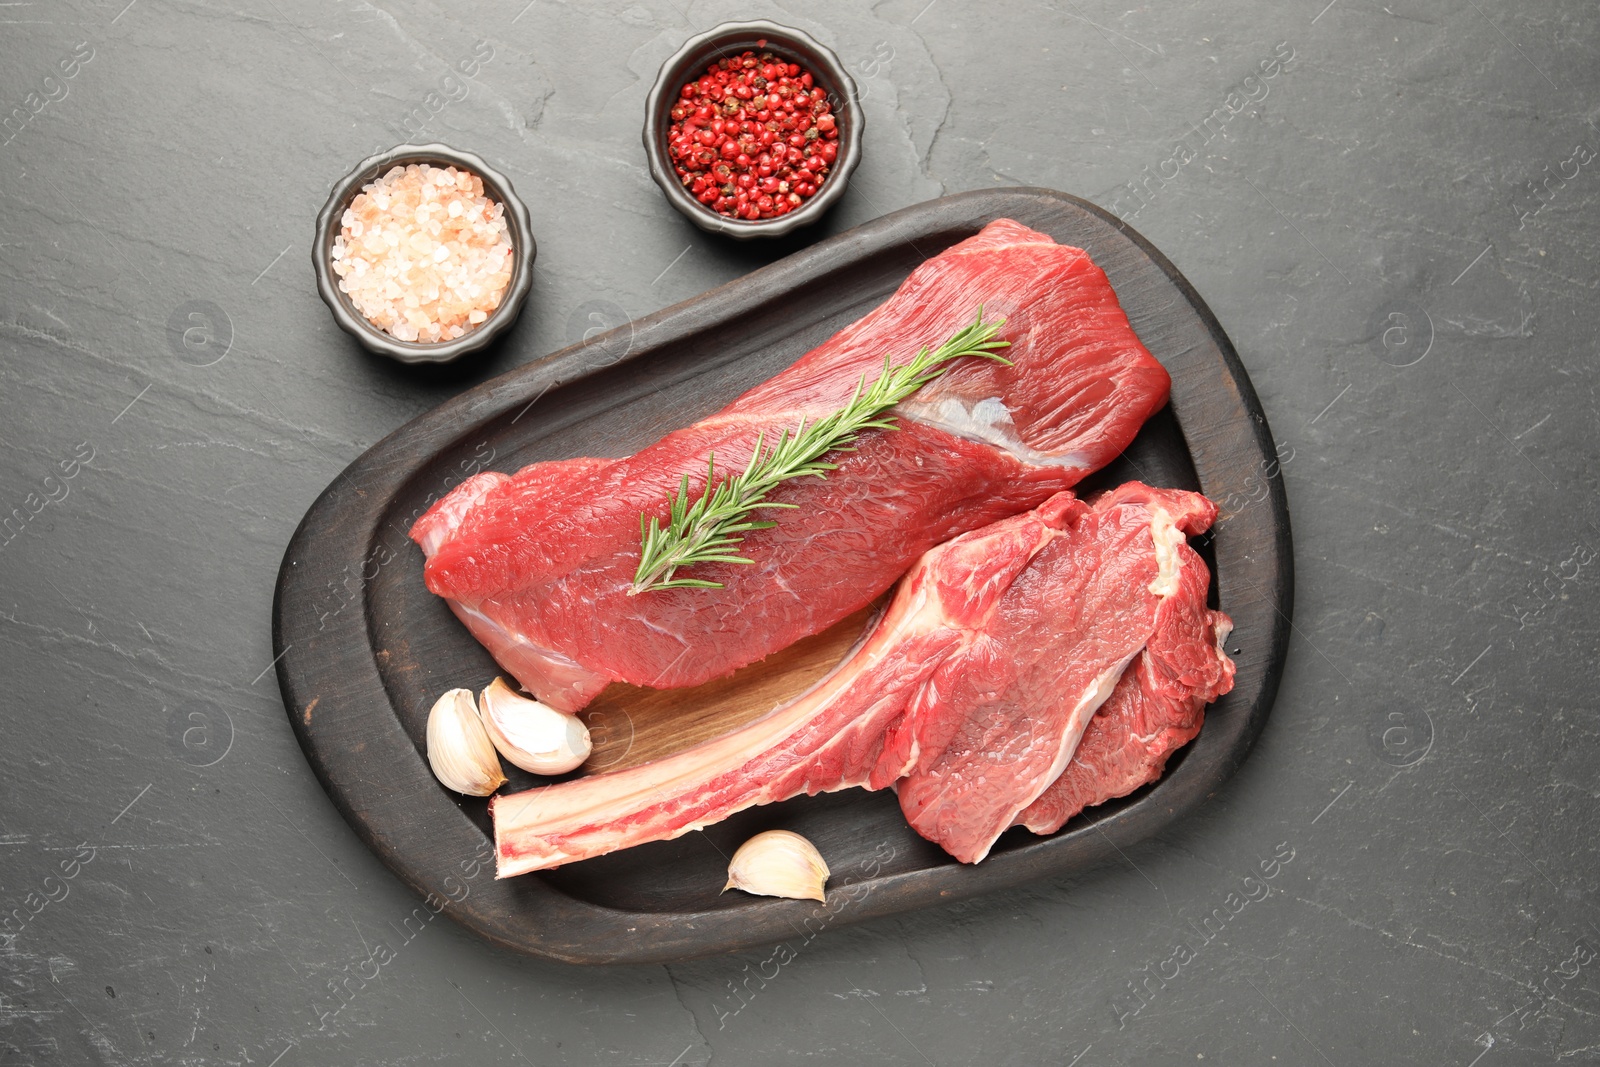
x: 365, y: 649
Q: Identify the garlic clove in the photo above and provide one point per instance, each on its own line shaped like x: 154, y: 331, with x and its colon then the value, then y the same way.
x: 459, y: 750
x: 778, y: 863
x: 532, y: 735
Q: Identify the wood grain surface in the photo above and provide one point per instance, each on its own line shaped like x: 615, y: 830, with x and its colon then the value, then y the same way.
x: 365, y: 649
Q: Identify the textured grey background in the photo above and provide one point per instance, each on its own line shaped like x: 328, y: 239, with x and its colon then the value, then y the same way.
x: 1419, y: 324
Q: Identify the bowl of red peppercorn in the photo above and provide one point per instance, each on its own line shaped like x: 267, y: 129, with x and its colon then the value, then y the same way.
x: 753, y: 129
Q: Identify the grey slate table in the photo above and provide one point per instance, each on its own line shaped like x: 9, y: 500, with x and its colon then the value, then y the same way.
x: 1398, y: 229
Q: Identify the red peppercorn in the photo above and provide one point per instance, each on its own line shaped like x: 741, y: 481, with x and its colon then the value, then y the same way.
x: 753, y: 137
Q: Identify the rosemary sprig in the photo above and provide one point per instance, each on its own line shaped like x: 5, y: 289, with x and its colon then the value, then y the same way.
x: 706, y: 529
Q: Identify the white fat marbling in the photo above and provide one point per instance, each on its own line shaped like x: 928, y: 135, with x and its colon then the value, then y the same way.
x: 988, y: 420
x: 1167, y: 538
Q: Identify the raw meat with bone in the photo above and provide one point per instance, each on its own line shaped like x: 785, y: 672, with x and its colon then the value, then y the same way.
x: 538, y: 564
x: 914, y: 702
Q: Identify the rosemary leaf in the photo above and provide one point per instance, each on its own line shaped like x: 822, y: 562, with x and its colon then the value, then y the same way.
x: 707, y: 529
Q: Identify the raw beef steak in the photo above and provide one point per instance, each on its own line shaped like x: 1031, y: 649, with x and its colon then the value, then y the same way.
x: 1000, y: 718
x: 1156, y: 708
x: 538, y: 564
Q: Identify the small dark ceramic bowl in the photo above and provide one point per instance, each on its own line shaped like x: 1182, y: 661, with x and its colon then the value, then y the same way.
x: 495, y: 185
x: 733, y: 38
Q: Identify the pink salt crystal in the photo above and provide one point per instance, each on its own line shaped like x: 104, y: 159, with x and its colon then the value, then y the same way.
x: 423, y: 253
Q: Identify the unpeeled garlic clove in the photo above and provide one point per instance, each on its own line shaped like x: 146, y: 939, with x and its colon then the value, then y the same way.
x: 778, y: 863
x: 459, y: 750
x: 535, y: 737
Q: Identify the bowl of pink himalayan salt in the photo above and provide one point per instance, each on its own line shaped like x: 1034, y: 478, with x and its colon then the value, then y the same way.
x: 424, y: 253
